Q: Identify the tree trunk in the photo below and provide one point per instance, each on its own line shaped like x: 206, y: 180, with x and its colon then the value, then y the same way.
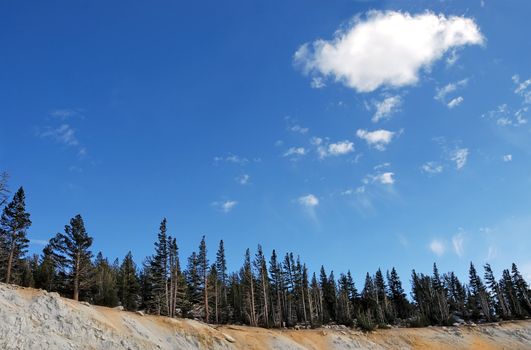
x: 266, y: 306
x: 206, y: 298
x: 76, y: 278
x: 216, y: 300
x: 10, y: 262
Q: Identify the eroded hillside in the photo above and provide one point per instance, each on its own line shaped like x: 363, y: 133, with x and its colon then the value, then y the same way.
x: 34, y: 319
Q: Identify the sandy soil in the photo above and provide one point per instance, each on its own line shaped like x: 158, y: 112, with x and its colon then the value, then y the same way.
x: 34, y: 319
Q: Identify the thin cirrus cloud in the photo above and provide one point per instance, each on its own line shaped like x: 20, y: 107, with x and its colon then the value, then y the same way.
x: 442, y: 93
x: 225, y: 206
x: 386, y: 108
x: 431, y: 168
x: 386, y: 49
x: 64, y: 134
x: 459, y: 157
x: 457, y: 243
x: 243, y: 179
x: 294, y: 152
x: 379, y: 139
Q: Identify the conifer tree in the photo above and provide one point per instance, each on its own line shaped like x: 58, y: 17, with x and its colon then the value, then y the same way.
x: 522, y: 290
x: 193, y: 279
x: 260, y: 266
x: 479, y: 298
x: 72, y: 255
x: 221, y: 268
x: 46, y: 274
x: 203, y: 273
x: 277, y: 289
x: 104, y: 288
x: 4, y: 176
x: 510, y: 292
x: 397, y: 295
x: 158, y: 273
x: 128, y: 284
x: 249, y: 289
x: 501, y: 305
x: 14, y: 224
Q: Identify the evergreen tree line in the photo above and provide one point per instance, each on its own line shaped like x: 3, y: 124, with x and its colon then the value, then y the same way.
x: 266, y: 292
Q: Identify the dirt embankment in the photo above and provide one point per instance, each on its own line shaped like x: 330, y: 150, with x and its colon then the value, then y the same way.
x: 33, y: 319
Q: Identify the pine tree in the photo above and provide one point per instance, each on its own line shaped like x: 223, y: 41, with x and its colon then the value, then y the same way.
x: 203, y: 273
x: 128, y: 284
x: 158, y: 273
x: 105, y: 291
x: 479, y: 298
x: 4, y: 176
x: 510, y: 292
x: 248, y: 282
x: 397, y: 295
x: 221, y: 267
x: 14, y: 224
x: 277, y: 290
x: 522, y: 290
x: 72, y: 255
x: 46, y: 275
x: 260, y: 266
x: 501, y: 305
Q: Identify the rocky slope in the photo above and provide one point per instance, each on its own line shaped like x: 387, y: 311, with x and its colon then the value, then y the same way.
x: 33, y: 319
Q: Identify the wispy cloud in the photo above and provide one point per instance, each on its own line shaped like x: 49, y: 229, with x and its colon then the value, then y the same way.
x: 442, y: 93
x: 243, y: 179
x: 64, y: 134
x: 385, y: 108
x: 457, y: 242
x: 295, y: 152
x: 317, y: 83
x: 232, y: 158
x: 432, y: 168
x: 386, y: 48
x: 225, y: 206
x: 459, y: 157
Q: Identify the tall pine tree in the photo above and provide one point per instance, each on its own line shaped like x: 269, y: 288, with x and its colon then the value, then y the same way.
x: 14, y: 224
x: 72, y: 254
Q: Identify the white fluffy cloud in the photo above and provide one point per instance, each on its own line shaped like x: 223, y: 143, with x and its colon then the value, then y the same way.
x: 309, y: 201
x: 455, y: 102
x: 386, y: 48
x: 225, y: 206
x: 385, y: 178
x: 386, y: 107
x: 459, y: 156
x: 437, y: 246
x: 333, y: 149
x: 378, y: 139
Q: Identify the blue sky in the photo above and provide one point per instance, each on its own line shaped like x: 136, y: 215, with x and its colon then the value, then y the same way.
x: 358, y: 134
